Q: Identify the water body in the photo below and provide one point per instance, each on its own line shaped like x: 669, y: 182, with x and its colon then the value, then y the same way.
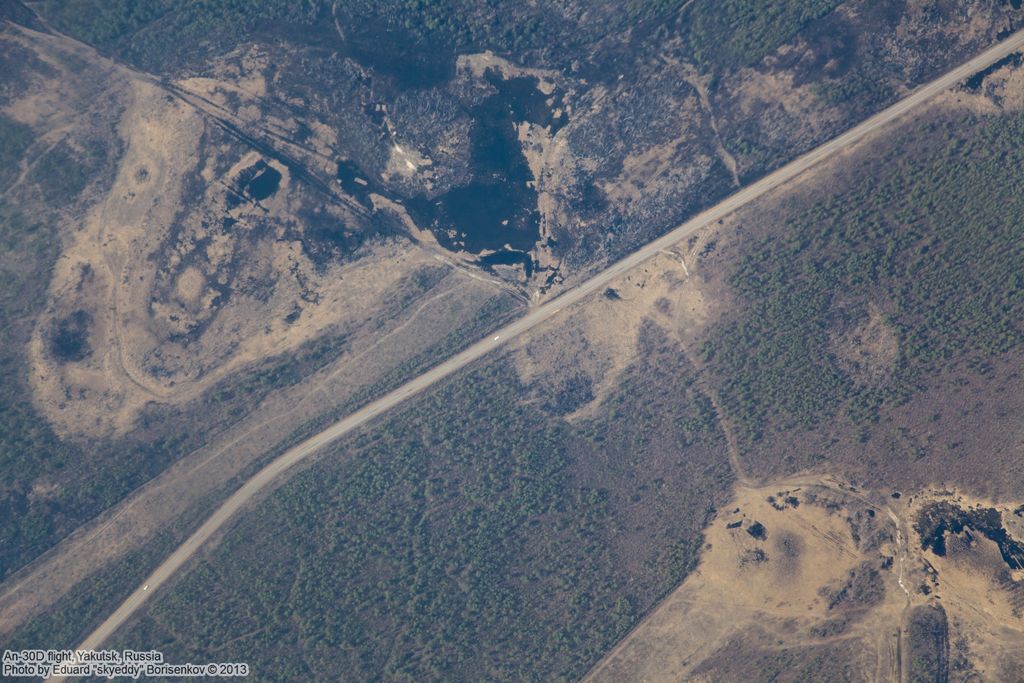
x: 939, y: 518
x: 354, y: 182
x: 264, y: 183
x: 974, y: 82
x: 69, y: 341
x: 256, y: 183
x: 509, y: 257
x: 497, y: 210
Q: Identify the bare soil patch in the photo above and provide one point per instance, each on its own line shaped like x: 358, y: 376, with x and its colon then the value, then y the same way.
x: 812, y: 572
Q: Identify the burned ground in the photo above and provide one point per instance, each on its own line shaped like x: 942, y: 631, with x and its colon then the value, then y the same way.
x: 639, y: 117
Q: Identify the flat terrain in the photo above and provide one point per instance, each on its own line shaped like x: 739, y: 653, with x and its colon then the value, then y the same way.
x: 279, y: 196
x: 445, y: 546
x: 902, y: 383
x: 482, y: 336
x: 828, y: 586
x: 400, y: 308
x: 534, y: 318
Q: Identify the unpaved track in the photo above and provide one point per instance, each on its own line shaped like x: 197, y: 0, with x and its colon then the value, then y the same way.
x: 650, y: 637
x: 534, y: 318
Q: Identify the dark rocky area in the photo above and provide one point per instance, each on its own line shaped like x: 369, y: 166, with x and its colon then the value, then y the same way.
x: 939, y: 519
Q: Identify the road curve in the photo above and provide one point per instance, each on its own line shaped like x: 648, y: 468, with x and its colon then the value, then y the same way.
x: 535, y: 317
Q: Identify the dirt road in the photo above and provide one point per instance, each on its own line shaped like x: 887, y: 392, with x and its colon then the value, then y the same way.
x: 534, y: 318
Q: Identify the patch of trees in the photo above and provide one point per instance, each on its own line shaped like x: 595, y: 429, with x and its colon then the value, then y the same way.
x: 735, y: 33
x: 64, y: 171
x: 106, y: 23
x: 469, y: 535
x: 90, y: 602
x: 928, y: 644
x: 160, y: 34
x: 157, y: 33
x: 741, y: 659
x: 28, y: 448
x: 15, y: 138
x: 930, y: 229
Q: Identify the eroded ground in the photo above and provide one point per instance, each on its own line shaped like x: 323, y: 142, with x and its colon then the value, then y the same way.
x: 204, y: 257
x: 207, y: 288
x: 813, y: 577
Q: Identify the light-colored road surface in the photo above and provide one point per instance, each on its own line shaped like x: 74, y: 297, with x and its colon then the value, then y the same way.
x: 535, y: 317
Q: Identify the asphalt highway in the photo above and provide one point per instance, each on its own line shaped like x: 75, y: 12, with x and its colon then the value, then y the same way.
x: 535, y: 317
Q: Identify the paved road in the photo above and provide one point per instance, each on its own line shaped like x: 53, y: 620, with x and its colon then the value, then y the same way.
x: 535, y: 317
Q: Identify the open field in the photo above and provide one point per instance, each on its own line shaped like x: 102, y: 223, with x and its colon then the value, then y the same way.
x: 811, y: 578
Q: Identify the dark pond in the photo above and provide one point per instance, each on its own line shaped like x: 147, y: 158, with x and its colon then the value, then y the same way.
x: 937, y: 519
x: 497, y: 209
x: 758, y: 531
x: 256, y: 182
x: 354, y: 182
x: 974, y: 82
x: 509, y: 258
x: 264, y: 184
x: 69, y: 340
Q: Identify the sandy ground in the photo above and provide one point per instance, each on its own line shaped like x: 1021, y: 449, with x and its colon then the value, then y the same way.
x: 179, y: 298
x: 786, y: 585
x: 367, y: 358
x: 178, y: 301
